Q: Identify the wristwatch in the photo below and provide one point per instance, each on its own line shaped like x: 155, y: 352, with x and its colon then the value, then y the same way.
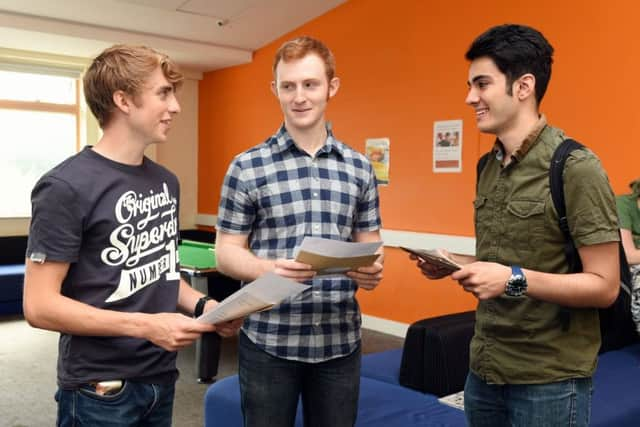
x: 197, y: 312
x: 517, y: 283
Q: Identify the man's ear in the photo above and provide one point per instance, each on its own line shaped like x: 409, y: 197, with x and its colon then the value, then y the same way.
x: 122, y: 101
x: 525, y: 86
x: 274, y: 88
x: 334, y: 85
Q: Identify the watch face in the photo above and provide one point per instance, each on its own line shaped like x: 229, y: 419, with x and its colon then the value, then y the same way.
x: 516, y: 286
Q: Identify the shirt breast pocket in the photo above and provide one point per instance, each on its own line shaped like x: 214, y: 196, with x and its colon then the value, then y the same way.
x: 482, y: 216
x: 525, y: 226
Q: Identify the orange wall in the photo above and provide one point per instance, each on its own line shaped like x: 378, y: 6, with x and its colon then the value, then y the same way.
x: 401, y: 69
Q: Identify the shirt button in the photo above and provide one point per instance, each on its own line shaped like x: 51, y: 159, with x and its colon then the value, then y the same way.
x: 316, y: 323
x: 315, y: 194
x: 316, y: 227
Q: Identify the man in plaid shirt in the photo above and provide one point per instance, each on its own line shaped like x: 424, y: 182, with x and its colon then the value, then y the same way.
x: 300, y: 182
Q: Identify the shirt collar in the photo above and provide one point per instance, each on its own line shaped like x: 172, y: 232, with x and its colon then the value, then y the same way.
x: 526, y: 145
x: 283, y: 141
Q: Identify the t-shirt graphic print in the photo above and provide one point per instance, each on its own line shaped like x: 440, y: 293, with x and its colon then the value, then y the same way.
x: 138, y: 235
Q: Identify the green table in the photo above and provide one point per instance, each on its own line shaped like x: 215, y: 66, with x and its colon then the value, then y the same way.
x: 198, y: 260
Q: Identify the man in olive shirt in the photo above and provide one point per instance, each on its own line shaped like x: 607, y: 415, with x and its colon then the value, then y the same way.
x: 629, y: 214
x: 531, y: 363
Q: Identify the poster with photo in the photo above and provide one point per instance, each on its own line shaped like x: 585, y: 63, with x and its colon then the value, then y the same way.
x: 447, y: 146
x: 377, y: 151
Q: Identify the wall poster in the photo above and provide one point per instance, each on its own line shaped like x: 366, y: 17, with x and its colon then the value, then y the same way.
x: 377, y: 151
x: 447, y: 146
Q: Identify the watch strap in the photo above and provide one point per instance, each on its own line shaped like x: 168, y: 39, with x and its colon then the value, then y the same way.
x: 517, y: 284
x: 516, y: 270
x: 197, y: 311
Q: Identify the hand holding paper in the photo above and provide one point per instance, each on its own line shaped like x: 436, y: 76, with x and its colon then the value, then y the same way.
x: 442, y: 264
x: 328, y: 256
x: 294, y: 270
x: 261, y: 294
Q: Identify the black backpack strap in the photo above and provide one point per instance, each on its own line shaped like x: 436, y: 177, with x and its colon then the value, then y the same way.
x: 482, y: 162
x: 557, y: 194
x: 556, y: 186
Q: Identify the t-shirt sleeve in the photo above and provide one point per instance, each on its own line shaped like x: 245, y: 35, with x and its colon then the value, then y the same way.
x: 236, y: 212
x: 56, y: 224
x: 624, y: 212
x: 590, y: 202
x: 368, y: 215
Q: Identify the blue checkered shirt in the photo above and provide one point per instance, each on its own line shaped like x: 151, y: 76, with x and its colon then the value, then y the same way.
x: 278, y: 194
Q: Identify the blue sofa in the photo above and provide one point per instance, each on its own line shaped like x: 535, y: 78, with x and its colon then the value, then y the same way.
x: 386, y: 403
x: 12, y: 252
x: 383, y: 401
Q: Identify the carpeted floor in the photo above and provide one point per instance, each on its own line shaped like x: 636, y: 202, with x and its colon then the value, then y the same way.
x: 28, y: 379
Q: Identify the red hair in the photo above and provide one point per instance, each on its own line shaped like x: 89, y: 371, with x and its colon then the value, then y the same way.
x: 302, y: 46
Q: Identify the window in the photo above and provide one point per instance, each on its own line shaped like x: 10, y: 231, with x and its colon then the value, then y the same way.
x: 40, y: 125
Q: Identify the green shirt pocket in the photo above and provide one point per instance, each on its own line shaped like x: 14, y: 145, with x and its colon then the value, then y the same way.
x: 524, y: 229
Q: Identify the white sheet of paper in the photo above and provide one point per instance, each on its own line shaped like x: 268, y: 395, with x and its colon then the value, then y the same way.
x: 337, y: 248
x: 266, y: 291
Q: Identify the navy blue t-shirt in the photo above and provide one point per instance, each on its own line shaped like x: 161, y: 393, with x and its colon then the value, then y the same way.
x: 117, y: 226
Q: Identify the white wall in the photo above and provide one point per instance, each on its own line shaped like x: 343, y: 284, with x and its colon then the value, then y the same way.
x: 180, y: 152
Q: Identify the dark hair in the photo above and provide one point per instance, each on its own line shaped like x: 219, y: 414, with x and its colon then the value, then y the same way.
x: 516, y: 50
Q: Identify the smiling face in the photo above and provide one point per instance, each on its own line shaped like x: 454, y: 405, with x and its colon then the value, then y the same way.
x: 152, y: 110
x: 496, y: 110
x: 303, y: 91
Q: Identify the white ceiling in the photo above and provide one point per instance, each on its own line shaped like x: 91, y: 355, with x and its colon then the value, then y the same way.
x: 202, y: 35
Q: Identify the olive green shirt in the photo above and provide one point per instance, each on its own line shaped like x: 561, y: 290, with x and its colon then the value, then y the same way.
x: 629, y: 215
x: 520, y: 340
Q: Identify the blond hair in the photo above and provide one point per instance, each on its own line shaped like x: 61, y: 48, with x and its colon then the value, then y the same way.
x: 125, y: 68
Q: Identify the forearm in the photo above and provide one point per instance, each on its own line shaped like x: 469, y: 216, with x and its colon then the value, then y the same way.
x: 572, y: 290
x: 632, y: 253
x: 633, y: 256
x: 62, y: 314
x: 45, y: 307
x: 187, y: 298
x: 239, y: 263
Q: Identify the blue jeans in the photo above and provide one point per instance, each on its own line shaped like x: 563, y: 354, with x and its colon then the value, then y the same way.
x: 136, y: 404
x: 565, y: 403
x: 270, y: 388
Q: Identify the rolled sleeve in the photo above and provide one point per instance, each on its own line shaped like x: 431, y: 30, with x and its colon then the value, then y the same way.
x: 589, y: 199
x: 369, y: 206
